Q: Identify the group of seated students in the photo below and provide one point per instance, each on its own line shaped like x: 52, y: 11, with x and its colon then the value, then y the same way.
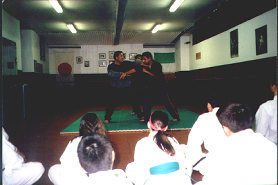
x: 235, y: 154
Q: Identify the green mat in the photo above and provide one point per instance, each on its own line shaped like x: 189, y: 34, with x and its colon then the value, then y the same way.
x: 122, y: 120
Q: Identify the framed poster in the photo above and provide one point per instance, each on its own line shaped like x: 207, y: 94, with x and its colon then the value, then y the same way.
x: 132, y: 56
x: 261, y: 40
x: 102, y: 56
x: 102, y: 63
x: 111, y: 54
x: 234, y: 43
x: 87, y: 63
x: 79, y: 59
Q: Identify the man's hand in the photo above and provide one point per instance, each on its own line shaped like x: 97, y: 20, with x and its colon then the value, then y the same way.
x: 123, y: 76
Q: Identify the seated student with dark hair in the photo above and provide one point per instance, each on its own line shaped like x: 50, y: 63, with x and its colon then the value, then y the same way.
x: 96, y: 156
x: 89, y: 123
x: 158, y: 158
x: 246, y: 157
x: 206, y: 130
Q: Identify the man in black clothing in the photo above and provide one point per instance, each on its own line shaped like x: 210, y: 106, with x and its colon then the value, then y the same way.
x: 155, y: 87
x: 119, y: 73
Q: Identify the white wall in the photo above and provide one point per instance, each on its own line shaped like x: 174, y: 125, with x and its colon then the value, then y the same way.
x: 183, y: 54
x: 30, y: 43
x: 11, y: 31
x: 215, y: 51
x: 91, y: 53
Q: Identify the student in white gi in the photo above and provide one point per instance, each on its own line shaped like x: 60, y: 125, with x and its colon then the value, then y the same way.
x: 89, y: 123
x: 158, y: 158
x: 247, y: 158
x: 266, y: 117
x: 15, y: 171
x: 207, y: 130
x: 96, y: 157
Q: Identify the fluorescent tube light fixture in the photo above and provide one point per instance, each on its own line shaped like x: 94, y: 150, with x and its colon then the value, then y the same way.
x: 71, y: 28
x: 156, y: 28
x: 175, y: 5
x: 56, y: 6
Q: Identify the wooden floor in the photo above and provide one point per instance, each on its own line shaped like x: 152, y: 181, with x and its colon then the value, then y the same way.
x: 40, y: 140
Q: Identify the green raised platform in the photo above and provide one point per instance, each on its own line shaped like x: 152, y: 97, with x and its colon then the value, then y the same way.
x: 122, y: 120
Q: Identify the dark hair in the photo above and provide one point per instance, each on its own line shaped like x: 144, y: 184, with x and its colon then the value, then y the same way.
x: 147, y: 54
x: 137, y: 56
x: 160, y: 120
x: 213, y: 99
x: 90, y: 123
x: 95, y: 153
x: 235, y: 116
x: 116, y: 54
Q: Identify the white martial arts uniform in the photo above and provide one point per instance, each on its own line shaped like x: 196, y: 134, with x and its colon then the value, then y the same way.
x: 14, y: 170
x: 69, y: 177
x: 208, y: 130
x: 69, y: 162
x: 147, y: 154
x: 247, y: 158
x: 266, y: 120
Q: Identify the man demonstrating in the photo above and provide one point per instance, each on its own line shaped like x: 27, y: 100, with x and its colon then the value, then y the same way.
x: 119, y: 74
x: 155, y: 87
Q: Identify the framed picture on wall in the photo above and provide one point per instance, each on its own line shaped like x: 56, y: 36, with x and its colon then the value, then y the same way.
x: 111, y: 54
x: 87, y: 63
x: 102, y: 56
x: 132, y: 56
x: 261, y: 40
x: 111, y: 61
x: 234, y: 43
x: 102, y: 63
x: 79, y: 59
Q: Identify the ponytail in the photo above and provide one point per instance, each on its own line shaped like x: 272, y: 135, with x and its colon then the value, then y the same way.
x: 159, y: 122
x: 162, y: 141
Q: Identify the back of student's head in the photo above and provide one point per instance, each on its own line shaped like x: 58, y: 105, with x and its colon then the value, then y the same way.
x: 147, y: 54
x: 235, y: 116
x: 95, y: 153
x: 90, y: 123
x: 213, y: 99
x: 159, y: 122
x: 116, y: 54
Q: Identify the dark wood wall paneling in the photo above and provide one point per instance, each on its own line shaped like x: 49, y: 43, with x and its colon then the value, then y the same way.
x: 245, y: 82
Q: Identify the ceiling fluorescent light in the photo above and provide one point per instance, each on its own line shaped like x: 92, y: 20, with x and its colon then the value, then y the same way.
x: 56, y: 6
x: 156, y: 28
x: 71, y: 28
x: 175, y: 5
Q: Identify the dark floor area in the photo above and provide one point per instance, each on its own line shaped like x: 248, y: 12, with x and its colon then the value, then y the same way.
x: 40, y: 140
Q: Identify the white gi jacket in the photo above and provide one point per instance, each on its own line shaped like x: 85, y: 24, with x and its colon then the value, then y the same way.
x: 147, y: 154
x: 14, y: 170
x: 10, y: 158
x: 247, y: 158
x: 208, y: 130
x: 266, y: 120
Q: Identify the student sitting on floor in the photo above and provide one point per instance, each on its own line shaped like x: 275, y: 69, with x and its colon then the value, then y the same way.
x: 207, y: 130
x: 96, y: 157
x: 158, y: 158
x: 266, y: 116
x: 14, y: 169
x: 246, y: 157
x: 89, y: 123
